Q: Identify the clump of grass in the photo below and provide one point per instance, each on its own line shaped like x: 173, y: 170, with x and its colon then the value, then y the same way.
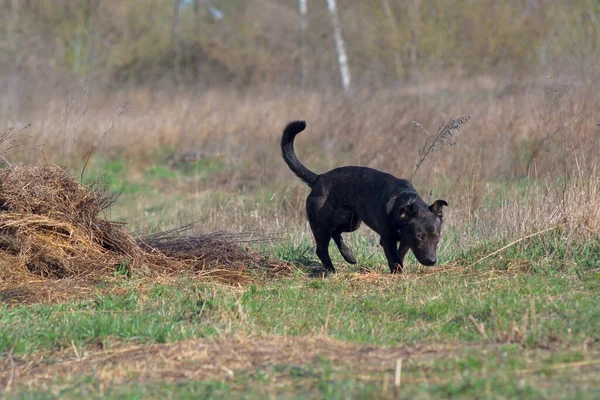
x: 51, y: 229
x: 218, y: 254
x: 50, y: 225
x: 446, y: 135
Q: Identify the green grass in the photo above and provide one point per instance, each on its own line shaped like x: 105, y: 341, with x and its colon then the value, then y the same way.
x: 416, y: 310
x: 436, y: 307
x: 499, y: 372
x: 149, y: 188
x: 306, y: 382
x: 559, y: 284
x: 553, y: 308
x: 519, y: 324
x: 113, y: 169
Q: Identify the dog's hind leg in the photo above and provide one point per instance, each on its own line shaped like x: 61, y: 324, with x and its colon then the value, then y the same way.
x: 323, y: 238
x: 345, y: 221
x: 320, y: 214
x: 344, y: 249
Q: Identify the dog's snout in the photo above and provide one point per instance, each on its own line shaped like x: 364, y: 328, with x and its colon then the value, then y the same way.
x: 429, y: 261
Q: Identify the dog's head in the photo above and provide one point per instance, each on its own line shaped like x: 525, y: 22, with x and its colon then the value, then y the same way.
x: 419, y: 226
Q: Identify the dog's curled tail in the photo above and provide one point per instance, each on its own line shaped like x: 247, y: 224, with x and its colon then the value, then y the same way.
x: 289, y: 156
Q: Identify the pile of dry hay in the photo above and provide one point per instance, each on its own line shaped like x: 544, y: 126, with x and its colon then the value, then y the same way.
x: 50, y: 229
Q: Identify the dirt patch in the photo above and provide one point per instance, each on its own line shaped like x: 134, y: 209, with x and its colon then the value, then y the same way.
x: 282, y: 359
x: 204, y: 359
x: 51, y: 229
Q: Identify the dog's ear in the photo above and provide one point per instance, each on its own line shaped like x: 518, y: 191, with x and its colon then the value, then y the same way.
x: 404, y: 212
x: 436, y: 207
x: 402, y: 215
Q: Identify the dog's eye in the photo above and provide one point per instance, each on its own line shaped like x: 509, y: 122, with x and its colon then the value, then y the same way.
x: 398, y: 230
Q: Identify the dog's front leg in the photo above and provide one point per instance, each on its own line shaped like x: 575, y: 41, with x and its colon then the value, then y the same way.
x: 402, y: 250
x: 390, y: 247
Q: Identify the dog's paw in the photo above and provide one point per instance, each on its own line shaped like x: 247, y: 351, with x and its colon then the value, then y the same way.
x: 397, y: 269
x: 348, y: 256
x: 320, y: 272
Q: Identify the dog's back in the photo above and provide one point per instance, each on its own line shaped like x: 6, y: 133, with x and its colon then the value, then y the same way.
x: 370, y: 180
x: 362, y: 189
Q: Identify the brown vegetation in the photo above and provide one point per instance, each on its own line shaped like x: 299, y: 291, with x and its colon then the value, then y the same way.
x: 526, y: 162
x: 537, y: 134
x: 211, y: 359
x: 279, y: 358
x: 89, y: 83
x: 50, y: 229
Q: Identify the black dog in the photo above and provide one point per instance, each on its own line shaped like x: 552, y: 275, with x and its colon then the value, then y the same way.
x: 344, y: 197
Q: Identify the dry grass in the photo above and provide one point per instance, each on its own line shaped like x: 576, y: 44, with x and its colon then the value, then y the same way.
x: 50, y: 226
x: 520, y: 129
x: 218, y: 255
x: 208, y: 359
x: 50, y: 230
x: 527, y: 162
x: 224, y: 359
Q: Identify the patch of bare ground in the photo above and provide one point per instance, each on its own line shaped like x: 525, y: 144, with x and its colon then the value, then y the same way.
x: 225, y: 359
x: 204, y: 359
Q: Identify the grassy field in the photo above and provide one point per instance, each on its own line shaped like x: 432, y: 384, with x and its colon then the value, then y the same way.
x: 524, y: 325
x: 510, y: 311
x: 180, y: 113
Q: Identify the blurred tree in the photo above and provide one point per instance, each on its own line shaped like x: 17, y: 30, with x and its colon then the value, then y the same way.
x: 246, y: 42
x: 340, y: 46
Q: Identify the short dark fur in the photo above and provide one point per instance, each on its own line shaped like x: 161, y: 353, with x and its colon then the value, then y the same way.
x: 344, y: 197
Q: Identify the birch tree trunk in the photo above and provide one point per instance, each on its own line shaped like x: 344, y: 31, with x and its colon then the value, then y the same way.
x: 302, y: 11
x: 340, y: 47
